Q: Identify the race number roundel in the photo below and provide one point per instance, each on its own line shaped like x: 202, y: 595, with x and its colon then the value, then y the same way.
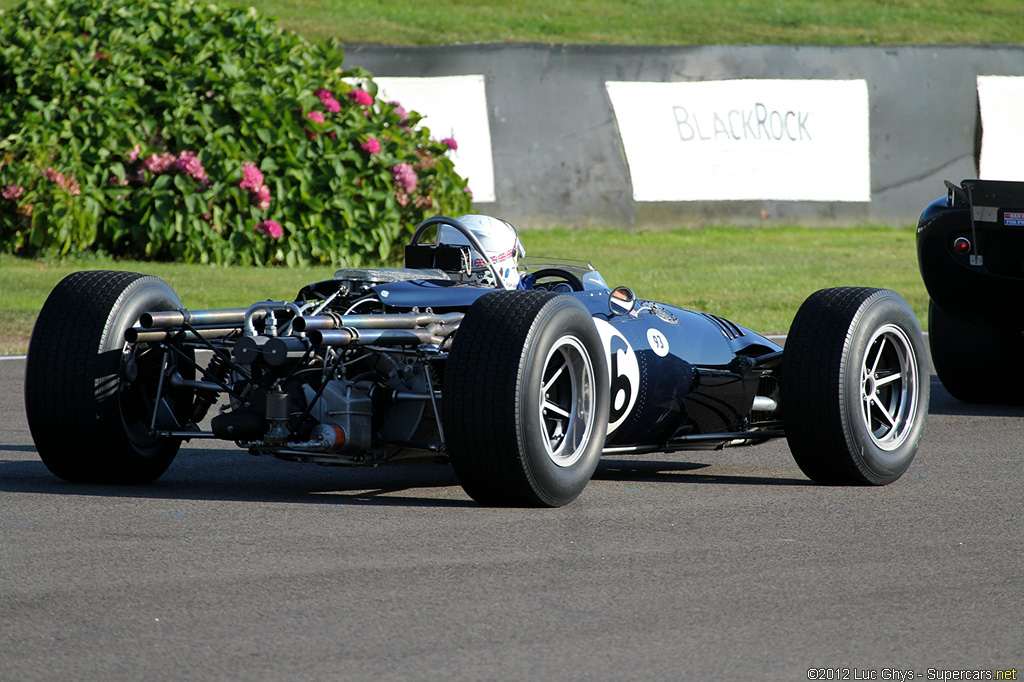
x: 623, y: 372
x: 658, y: 341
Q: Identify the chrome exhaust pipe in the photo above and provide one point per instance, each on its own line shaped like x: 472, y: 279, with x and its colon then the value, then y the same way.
x: 386, y: 321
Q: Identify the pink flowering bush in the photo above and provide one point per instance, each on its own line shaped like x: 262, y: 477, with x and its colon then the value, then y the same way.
x: 116, y: 139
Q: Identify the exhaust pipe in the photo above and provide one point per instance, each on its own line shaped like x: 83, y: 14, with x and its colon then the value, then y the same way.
x: 387, y: 321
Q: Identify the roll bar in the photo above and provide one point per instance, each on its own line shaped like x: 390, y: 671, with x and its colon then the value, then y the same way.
x: 467, y: 233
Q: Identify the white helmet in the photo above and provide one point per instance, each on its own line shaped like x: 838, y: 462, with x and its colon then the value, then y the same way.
x: 500, y: 242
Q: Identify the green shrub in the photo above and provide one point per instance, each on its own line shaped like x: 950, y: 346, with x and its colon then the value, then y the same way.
x: 187, y: 131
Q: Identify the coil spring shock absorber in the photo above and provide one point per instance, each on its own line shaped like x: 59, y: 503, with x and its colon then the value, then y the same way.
x: 217, y: 371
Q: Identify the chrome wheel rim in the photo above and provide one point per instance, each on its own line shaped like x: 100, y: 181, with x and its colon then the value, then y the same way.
x: 567, y: 397
x: 889, y: 388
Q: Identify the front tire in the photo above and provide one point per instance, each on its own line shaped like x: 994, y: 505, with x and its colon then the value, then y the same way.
x: 854, y: 386
x: 89, y: 396
x: 525, y: 408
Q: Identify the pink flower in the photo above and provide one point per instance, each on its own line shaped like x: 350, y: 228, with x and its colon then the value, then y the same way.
x: 13, y: 192
x: 158, y: 163
x: 271, y: 228
x: 263, y: 198
x: 401, y: 113
x: 252, y: 178
x: 450, y: 143
x: 405, y: 177
x: 315, y: 116
x: 371, y: 146
x: 189, y: 163
x: 327, y: 99
x: 361, y: 97
x: 309, y: 133
x: 100, y: 55
x: 70, y: 185
x: 133, y: 154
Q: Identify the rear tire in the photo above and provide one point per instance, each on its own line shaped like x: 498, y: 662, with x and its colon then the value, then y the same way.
x: 854, y: 386
x: 961, y: 348
x: 89, y: 422
x: 525, y: 407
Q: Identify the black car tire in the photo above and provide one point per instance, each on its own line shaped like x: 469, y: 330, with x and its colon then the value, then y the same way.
x: 89, y: 422
x: 962, y: 348
x: 854, y: 386
x: 525, y: 407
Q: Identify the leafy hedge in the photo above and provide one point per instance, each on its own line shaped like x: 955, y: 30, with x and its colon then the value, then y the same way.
x: 173, y: 129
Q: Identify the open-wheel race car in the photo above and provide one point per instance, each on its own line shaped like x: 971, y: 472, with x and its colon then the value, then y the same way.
x: 522, y: 372
x: 970, y: 248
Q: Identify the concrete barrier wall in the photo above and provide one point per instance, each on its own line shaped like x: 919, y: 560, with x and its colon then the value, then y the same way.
x: 558, y: 158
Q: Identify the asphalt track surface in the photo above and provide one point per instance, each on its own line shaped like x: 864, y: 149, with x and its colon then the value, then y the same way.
x: 693, y: 566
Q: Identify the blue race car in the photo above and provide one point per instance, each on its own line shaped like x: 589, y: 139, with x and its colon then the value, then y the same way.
x: 521, y: 372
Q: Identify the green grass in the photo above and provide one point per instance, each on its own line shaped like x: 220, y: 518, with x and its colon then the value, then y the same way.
x: 650, y: 22
x: 757, y: 277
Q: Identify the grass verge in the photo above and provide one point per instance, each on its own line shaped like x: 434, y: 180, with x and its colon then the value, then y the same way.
x: 757, y: 277
x: 648, y: 22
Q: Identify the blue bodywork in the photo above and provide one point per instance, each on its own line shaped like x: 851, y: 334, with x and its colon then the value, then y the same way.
x: 675, y: 373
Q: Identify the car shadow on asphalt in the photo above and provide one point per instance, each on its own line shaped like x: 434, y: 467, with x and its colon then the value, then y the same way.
x: 228, y: 475
x: 218, y: 475
x: 941, y: 402
x: 681, y: 472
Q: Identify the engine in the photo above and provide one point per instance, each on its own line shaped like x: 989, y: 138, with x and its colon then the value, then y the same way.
x: 330, y: 378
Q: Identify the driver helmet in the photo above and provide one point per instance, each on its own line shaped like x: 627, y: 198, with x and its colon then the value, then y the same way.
x: 500, y: 242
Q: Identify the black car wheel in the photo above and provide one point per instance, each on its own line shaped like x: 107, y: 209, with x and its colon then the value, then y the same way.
x: 525, y: 407
x: 854, y: 386
x: 89, y: 396
x: 962, y: 348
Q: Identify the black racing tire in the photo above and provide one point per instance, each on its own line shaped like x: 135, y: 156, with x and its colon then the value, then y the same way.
x: 962, y: 352
x: 525, y: 406
x: 854, y: 386
x: 89, y: 423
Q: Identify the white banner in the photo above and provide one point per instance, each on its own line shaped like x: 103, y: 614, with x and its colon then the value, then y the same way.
x: 1001, y: 99
x: 741, y: 140
x: 456, y: 107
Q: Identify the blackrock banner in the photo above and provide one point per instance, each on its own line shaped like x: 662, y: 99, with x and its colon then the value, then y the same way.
x: 1001, y: 104
x: 745, y: 140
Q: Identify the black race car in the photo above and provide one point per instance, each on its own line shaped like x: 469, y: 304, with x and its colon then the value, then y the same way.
x: 970, y: 248
x: 520, y: 372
